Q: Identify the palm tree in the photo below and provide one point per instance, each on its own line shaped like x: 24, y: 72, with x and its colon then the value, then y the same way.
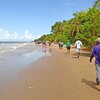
x: 97, y: 4
x: 57, y: 27
x: 97, y: 15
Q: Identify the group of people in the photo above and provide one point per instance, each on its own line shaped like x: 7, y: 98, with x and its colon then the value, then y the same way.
x: 78, y: 45
x: 95, y: 53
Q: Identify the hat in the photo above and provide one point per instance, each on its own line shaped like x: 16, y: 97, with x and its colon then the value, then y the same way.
x: 98, y: 41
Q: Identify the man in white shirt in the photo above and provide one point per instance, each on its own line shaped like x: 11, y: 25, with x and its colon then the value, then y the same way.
x: 78, y: 45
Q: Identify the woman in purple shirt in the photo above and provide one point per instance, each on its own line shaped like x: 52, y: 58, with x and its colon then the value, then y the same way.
x: 96, y: 53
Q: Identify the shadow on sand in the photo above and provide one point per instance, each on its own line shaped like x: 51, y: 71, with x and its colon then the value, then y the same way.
x: 67, y: 53
x: 91, y: 84
x: 85, y: 54
x: 81, y: 54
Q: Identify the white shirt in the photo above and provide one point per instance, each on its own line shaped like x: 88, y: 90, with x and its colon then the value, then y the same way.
x: 78, y: 44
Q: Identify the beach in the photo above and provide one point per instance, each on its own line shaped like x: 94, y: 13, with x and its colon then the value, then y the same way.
x: 58, y: 76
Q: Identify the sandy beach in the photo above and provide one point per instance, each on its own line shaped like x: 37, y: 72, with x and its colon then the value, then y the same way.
x: 60, y: 76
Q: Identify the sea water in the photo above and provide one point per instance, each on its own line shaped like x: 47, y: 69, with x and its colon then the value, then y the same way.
x: 15, y: 57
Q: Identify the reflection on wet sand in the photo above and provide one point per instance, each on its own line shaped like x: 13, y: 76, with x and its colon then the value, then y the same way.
x: 12, y: 62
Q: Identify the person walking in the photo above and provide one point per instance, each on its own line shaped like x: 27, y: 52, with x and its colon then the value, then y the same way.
x: 68, y: 44
x: 78, y: 45
x: 60, y: 45
x: 96, y: 53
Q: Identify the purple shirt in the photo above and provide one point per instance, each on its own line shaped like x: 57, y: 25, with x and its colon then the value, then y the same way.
x: 95, y: 50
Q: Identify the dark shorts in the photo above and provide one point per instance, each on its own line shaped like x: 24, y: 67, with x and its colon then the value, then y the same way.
x: 68, y: 48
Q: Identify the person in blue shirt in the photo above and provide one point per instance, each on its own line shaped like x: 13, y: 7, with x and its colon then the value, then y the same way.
x: 96, y: 53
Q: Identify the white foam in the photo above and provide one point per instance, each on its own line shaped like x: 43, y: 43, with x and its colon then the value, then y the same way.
x: 13, y: 47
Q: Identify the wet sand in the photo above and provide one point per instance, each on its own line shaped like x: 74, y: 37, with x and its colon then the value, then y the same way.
x: 60, y: 76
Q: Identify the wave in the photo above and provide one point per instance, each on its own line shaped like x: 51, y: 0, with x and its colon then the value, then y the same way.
x: 9, y: 47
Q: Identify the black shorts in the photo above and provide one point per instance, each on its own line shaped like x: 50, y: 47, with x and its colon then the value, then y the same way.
x: 68, y: 48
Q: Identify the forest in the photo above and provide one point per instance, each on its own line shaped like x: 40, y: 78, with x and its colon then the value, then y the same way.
x: 85, y: 25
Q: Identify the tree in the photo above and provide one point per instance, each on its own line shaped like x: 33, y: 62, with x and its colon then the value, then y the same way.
x: 84, y: 25
x: 57, y: 27
x: 97, y: 4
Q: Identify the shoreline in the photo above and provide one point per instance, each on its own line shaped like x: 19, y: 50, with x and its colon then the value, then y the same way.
x: 60, y: 76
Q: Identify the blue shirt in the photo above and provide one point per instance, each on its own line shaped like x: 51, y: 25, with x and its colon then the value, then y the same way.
x: 95, y: 50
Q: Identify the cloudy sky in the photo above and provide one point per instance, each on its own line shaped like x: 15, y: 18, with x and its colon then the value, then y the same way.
x: 11, y: 36
x: 29, y: 19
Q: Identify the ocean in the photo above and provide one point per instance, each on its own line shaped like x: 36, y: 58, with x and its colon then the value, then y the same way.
x: 15, y: 57
x: 20, y: 54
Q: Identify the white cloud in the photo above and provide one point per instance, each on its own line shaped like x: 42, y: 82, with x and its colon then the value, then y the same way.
x: 14, y: 36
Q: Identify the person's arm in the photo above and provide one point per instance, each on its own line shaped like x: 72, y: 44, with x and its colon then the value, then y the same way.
x: 92, y: 55
x: 75, y: 44
x: 81, y: 44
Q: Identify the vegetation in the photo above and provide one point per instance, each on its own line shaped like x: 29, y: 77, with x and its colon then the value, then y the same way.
x: 84, y: 25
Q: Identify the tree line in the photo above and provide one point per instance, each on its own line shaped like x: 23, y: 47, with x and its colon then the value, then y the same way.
x: 84, y: 25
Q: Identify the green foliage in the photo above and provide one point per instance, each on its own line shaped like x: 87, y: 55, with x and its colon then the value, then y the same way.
x: 84, y: 25
x: 97, y: 4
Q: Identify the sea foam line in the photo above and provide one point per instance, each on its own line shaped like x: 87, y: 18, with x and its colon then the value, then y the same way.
x: 13, y: 48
